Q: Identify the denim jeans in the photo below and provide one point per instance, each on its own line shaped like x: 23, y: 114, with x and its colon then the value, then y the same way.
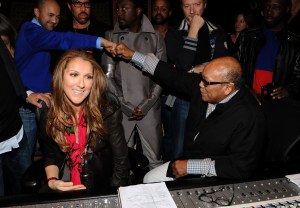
x: 30, y: 127
x: 174, y: 120
x: 13, y: 165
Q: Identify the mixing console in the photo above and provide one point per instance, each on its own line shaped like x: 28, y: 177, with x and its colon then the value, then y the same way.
x: 265, y: 193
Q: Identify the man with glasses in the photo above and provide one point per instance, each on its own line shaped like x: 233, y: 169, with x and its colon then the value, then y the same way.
x: 189, y: 47
x: 225, y: 128
x: 82, y: 21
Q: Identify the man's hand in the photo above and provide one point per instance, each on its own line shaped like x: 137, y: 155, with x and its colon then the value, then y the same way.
x: 109, y: 46
x: 199, y: 68
x: 179, y: 168
x: 137, y: 114
x: 33, y: 98
x: 196, y: 24
x: 124, y: 52
x: 279, y: 93
x: 59, y: 185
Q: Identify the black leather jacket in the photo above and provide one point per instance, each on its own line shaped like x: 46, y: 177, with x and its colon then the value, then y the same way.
x: 287, y: 67
x: 109, y: 163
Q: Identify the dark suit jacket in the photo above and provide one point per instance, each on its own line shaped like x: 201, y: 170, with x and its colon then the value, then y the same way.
x: 233, y: 133
x: 12, y: 71
x: 11, y: 90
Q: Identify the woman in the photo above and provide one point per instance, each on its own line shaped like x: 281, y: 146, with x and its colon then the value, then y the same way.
x: 8, y: 34
x: 242, y: 20
x: 83, y: 138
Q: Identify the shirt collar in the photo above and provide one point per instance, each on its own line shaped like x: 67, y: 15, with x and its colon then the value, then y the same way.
x: 225, y: 100
x: 34, y: 20
x: 213, y: 106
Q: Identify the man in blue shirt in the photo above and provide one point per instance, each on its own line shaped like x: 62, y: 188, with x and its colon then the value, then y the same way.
x: 32, y: 55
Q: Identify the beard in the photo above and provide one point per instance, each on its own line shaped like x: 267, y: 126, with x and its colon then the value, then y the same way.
x: 160, y: 20
x: 122, y: 24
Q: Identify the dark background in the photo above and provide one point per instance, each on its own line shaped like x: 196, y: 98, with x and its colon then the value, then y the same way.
x: 218, y: 11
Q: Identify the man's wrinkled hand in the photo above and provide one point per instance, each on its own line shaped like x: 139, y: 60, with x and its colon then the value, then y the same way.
x: 122, y: 51
x: 179, y: 168
x: 109, y: 46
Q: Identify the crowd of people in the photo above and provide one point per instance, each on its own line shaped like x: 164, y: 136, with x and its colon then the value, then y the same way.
x: 195, y: 99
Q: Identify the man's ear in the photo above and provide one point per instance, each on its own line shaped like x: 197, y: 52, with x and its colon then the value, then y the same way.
x: 138, y: 11
x: 36, y: 12
x: 229, y: 89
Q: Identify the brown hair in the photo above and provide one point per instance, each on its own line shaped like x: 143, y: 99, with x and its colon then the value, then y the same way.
x: 60, y: 109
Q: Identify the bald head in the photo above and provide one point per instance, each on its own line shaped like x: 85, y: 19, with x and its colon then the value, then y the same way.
x: 220, y: 78
x: 41, y: 3
x: 228, y: 68
x: 47, y: 13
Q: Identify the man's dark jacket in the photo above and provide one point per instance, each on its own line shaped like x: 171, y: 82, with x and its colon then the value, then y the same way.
x: 287, y: 67
x: 11, y: 91
x: 233, y: 133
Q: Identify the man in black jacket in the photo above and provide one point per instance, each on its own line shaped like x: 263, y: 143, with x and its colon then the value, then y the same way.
x: 225, y: 128
x: 270, y: 53
x: 270, y: 58
x: 14, y: 157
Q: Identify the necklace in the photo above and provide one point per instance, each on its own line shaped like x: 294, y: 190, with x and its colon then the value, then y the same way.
x: 86, y: 29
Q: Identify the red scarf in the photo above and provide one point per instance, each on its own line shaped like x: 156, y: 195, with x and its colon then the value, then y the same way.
x: 78, y: 149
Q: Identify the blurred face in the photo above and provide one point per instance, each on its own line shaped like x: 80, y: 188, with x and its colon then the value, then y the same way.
x: 48, y: 15
x: 160, y: 12
x: 192, y: 7
x: 80, y: 10
x: 240, y: 23
x: 8, y: 45
x: 212, y: 93
x: 77, y: 82
x: 274, y: 12
x: 127, y: 14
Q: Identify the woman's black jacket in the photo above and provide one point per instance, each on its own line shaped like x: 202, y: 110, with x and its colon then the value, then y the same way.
x: 109, y: 163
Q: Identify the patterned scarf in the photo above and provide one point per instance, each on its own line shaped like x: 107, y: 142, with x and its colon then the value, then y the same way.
x: 78, y: 149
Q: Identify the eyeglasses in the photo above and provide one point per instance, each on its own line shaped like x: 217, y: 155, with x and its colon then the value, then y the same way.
x: 206, y: 83
x: 208, y: 198
x: 79, y: 4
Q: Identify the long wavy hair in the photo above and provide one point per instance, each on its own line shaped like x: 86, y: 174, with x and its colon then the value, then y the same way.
x: 60, y: 112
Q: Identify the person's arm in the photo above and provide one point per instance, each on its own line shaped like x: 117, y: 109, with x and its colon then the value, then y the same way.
x: 110, y: 65
x: 34, y: 98
x: 187, y: 53
x: 292, y: 87
x: 52, y: 40
x: 155, y: 90
x: 119, y: 149
x: 245, y: 148
x: 204, y: 167
x: 56, y: 184
x: 53, y: 158
x: 181, y: 81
